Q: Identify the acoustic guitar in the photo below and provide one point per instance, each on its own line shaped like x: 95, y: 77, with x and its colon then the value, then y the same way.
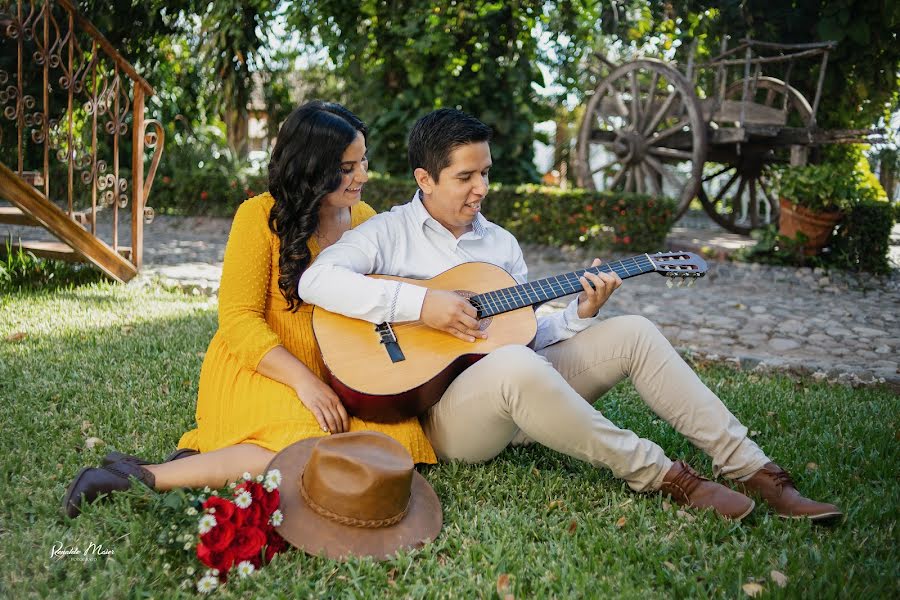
x: 393, y: 371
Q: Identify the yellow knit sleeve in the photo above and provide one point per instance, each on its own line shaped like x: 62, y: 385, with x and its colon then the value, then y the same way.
x: 245, y: 280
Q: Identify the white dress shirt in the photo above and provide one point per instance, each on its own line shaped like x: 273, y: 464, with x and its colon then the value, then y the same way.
x: 409, y: 242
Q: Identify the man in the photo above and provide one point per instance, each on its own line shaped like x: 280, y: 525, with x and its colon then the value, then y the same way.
x: 516, y: 394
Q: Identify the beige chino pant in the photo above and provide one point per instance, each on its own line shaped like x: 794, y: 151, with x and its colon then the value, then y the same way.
x: 516, y: 395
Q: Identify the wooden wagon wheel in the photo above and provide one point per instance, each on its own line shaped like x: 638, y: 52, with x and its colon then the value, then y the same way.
x: 643, y: 131
x: 737, y: 190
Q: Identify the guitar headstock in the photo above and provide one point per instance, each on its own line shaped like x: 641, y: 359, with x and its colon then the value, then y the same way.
x: 679, y: 267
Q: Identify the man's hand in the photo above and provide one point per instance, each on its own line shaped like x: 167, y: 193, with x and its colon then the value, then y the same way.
x: 592, y: 298
x: 320, y: 399
x: 452, y: 313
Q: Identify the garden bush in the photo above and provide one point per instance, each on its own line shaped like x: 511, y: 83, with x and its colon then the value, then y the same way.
x: 192, y: 180
x: 546, y: 215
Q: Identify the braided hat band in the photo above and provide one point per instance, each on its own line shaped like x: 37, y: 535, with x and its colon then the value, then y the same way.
x: 349, y: 521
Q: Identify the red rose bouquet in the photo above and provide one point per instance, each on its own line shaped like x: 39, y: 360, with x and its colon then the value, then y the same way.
x: 238, y: 533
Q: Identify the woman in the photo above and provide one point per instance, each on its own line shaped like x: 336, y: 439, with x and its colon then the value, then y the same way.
x: 261, y: 386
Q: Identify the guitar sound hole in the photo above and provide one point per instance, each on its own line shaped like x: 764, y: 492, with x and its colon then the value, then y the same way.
x: 482, y: 323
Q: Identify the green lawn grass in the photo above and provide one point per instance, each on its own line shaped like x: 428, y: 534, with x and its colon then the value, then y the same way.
x: 121, y: 363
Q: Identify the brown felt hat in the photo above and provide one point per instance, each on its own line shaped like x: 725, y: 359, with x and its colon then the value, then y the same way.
x: 354, y: 494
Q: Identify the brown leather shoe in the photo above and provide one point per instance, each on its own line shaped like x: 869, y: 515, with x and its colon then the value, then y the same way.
x: 91, y: 483
x: 114, y: 457
x: 689, y: 489
x: 774, y: 485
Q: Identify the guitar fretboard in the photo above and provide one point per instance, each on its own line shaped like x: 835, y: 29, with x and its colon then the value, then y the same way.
x: 550, y: 288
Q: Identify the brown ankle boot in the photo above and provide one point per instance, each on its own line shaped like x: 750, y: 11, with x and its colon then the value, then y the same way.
x: 775, y: 486
x: 689, y: 489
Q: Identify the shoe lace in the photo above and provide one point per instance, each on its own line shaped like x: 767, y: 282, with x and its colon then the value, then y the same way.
x: 687, y: 480
x: 783, y: 479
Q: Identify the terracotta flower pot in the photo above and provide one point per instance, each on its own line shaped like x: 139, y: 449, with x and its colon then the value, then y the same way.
x: 817, y: 226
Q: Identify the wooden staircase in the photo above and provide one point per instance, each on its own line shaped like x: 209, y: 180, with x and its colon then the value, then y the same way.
x: 79, y: 137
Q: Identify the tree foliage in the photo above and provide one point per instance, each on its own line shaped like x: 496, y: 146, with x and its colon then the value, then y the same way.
x: 401, y: 60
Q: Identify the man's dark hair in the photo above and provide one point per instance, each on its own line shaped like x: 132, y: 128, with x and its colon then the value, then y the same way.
x: 436, y: 135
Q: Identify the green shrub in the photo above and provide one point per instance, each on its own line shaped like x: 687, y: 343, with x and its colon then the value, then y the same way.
x: 862, y: 239
x: 21, y: 270
x: 546, y: 215
x: 191, y: 181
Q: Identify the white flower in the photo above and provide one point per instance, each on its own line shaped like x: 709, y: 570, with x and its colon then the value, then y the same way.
x: 243, y: 500
x: 215, y: 492
x: 191, y: 511
x: 232, y: 485
x: 185, y: 584
x: 206, y: 489
x: 211, y: 510
x: 166, y: 566
x: 273, y: 480
x: 247, y: 476
x: 207, y: 584
x: 187, y: 545
x: 245, y: 568
x: 190, y: 571
x: 207, y: 522
x: 276, y: 519
x: 259, y: 479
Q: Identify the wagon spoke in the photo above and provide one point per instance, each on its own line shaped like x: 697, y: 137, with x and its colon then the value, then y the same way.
x: 617, y: 179
x: 605, y: 166
x: 635, y: 103
x: 651, y: 95
x: 661, y: 112
x: 654, y: 179
x: 639, y: 178
x: 671, y: 153
x: 717, y: 173
x: 677, y: 128
x: 725, y: 188
x: 662, y: 170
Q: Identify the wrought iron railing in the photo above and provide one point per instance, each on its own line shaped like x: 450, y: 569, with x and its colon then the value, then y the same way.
x: 72, y: 108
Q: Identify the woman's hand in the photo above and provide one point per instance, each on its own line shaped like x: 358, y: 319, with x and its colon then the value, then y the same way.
x: 593, y: 298
x: 320, y: 399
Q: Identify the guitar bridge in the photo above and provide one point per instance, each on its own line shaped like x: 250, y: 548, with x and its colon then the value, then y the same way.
x: 389, y: 339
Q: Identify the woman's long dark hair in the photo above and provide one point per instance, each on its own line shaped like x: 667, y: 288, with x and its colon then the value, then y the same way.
x: 305, y: 167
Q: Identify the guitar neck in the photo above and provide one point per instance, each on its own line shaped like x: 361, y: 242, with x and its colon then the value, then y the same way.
x: 550, y: 288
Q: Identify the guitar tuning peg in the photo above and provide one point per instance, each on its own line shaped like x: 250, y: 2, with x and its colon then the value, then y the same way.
x: 669, y: 282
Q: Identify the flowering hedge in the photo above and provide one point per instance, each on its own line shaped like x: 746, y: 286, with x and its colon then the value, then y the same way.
x: 546, y: 215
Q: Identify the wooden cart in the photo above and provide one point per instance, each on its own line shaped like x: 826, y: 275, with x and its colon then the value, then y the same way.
x: 650, y: 128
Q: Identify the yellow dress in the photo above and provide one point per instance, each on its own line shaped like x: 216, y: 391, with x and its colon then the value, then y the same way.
x: 235, y: 404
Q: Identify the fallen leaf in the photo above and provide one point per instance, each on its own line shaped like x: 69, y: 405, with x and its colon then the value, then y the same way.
x: 666, y: 505
x: 201, y: 355
x: 535, y: 472
x: 669, y: 566
x: 391, y: 574
x: 752, y: 589
x: 93, y: 441
x: 85, y: 426
x: 621, y: 522
x: 127, y: 329
x: 779, y: 578
x: 811, y: 466
x: 555, y: 504
x: 573, y: 526
x: 164, y: 388
x: 685, y: 515
x: 503, y: 585
x: 442, y: 559
x: 16, y: 337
